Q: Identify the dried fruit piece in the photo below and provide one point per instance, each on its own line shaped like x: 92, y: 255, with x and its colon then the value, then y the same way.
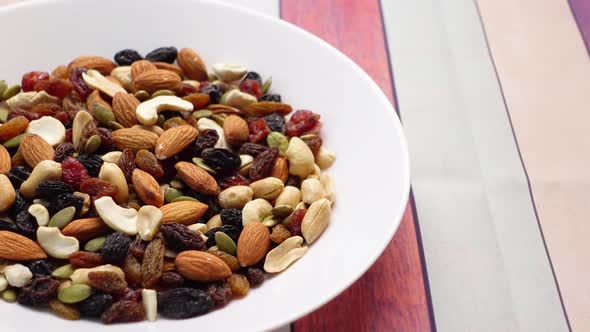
x: 80, y: 86
x: 13, y: 127
x: 95, y: 305
x: 63, y: 201
x: 184, y: 303
x: 263, y: 164
x: 220, y: 293
x: 275, y: 121
x: 293, y: 222
x: 232, y: 231
x: 48, y: 189
x: 231, y: 217
x: 26, y: 223
x: 171, y: 280
x: 98, y: 188
x: 56, y: 87
x: 91, y: 162
x: 114, y: 249
x: 38, y: 291
x: 73, y: 172
x: 301, y: 122
x: 132, y: 269
x: 314, y: 142
x: 222, y: 160
x: 207, y: 139
x: 153, y: 263
x: 163, y: 54
x: 230, y: 260
x: 40, y: 268
x: 255, y: 276
x: 252, y: 149
x: 123, y: 312
x: 63, y: 310
x: 239, y: 284
x: 126, y: 57
x: 84, y: 259
x: 107, y: 281
x: 127, y: 163
x: 179, y: 238
x: 63, y: 151
x: 258, y: 130
x: 232, y: 180
x: 31, y: 78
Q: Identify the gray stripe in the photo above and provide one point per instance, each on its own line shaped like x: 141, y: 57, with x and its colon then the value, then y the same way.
x: 486, y: 262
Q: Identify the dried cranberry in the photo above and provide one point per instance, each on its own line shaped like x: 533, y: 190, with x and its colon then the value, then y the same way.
x: 263, y: 164
x: 222, y: 160
x: 95, y: 305
x: 302, y: 121
x: 73, y: 172
x: 163, y: 54
x: 258, y: 130
x: 271, y: 97
x: 184, y: 303
x: 38, y: 291
x: 275, y: 122
x: 31, y: 78
x: 252, y: 87
x: 178, y: 237
x: 206, y: 140
x: 314, y: 142
x: 186, y: 89
x: 78, y: 82
x: 19, y: 111
x: 232, y: 180
x: 293, y: 222
x: 63, y: 117
x: 126, y: 57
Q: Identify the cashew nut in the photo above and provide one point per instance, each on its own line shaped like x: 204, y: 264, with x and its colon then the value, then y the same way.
x: 45, y: 170
x: 235, y: 197
x: 147, y: 112
x: 328, y: 183
x: 112, y: 157
x: 40, y: 213
x: 284, y: 254
x: 113, y: 174
x: 149, y: 220
x: 199, y: 227
x: 214, y: 222
x: 205, y: 123
x: 95, y: 80
x: 256, y: 210
x: 17, y: 275
x: 290, y: 196
x: 29, y: 99
x: 55, y: 243
x: 316, y: 220
x: 80, y: 276
x: 300, y: 157
x: 229, y: 72
x: 325, y: 158
x: 123, y: 75
x: 267, y: 188
x: 49, y: 128
x: 311, y: 190
x: 315, y: 174
x: 237, y: 98
x: 82, y: 121
x: 8, y: 196
x: 85, y: 204
x: 149, y: 299
x: 118, y: 218
x: 3, y: 283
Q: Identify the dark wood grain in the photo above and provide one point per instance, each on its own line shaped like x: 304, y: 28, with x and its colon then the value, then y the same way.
x: 391, y: 296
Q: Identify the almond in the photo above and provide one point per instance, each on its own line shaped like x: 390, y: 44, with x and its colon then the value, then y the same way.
x: 86, y: 229
x: 155, y: 80
x: 102, y: 65
x: 201, y: 266
x: 135, y: 139
x: 199, y: 100
x: 96, y: 98
x: 4, y: 160
x: 192, y: 64
x: 147, y: 188
x: 183, y: 212
x: 35, y: 149
x: 174, y: 140
x: 19, y: 248
x: 140, y: 67
x: 124, y: 105
x: 236, y: 130
x: 170, y: 67
x: 253, y: 244
x: 281, y: 169
x: 8, y: 196
x: 197, y: 178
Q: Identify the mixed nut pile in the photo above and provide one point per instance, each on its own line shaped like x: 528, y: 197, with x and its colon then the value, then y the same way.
x: 153, y: 185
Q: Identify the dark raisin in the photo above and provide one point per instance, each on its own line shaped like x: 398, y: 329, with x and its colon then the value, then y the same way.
x: 178, y: 237
x: 78, y: 82
x: 41, y: 268
x: 20, y: 203
x: 271, y: 97
x: 252, y: 149
x: 231, y: 217
x: 18, y: 175
x: 214, y: 92
x: 114, y: 249
x: 232, y: 180
x: 222, y: 160
x: 213, y: 209
x: 293, y: 222
x: 127, y: 56
x: 62, y: 201
x: 127, y: 164
x: 294, y: 181
x: 232, y: 231
x: 255, y: 276
x: 275, y: 122
x: 63, y: 151
x: 6, y: 225
x: 91, y: 162
x: 252, y: 75
x: 137, y: 248
x: 106, y: 138
x: 220, y: 293
x: 131, y: 295
x: 206, y: 140
x: 85, y: 259
x: 263, y: 164
x: 123, y: 312
x: 184, y: 302
x: 163, y: 54
x: 172, y: 280
x: 49, y: 189
x: 26, y: 223
x: 95, y: 305
x: 314, y: 142
x: 38, y: 291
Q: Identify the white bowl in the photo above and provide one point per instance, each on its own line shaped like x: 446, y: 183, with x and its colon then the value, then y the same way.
x: 360, y: 125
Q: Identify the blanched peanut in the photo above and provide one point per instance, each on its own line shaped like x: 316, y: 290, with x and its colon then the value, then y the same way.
x: 290, y: 196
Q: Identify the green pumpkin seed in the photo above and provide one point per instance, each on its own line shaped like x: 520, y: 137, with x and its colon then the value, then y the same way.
x: 3, y: 115
x: 282, y: 211
x: 63, y: 272
x: 201, y: 163
x: 14, y: 142
x: 219, y: 118
x: 266, y: 85
x: 176, y: 184
x: 171, y: 194
x: 3, y: 87
x: 114, y: 125
x: 142, y: 95
x: 102, y: 113
x: 202, y: 114
x: 279, y: 141
x: 92, y: 144
x: 74, y: 294
x: 184, y: 198
x: 161, y: 121
x: 9, y: 295
x: 163, y: 93
x: 95, y: 244
x: 62, y: 218
x: 270, y: 221
x: 11, y: 92
x: 225, y: 243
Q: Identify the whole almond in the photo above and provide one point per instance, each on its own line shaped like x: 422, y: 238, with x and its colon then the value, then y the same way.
x: 192, y: 64
x: 170, y: 67
x: 199, y: 100
x: 281, y: 169
x: 201, y: 266
x: 183, y: 212
x: 174, y: 140
x: 102, y: 65
x: 35, y: 149
x: 197, y: 178
x: 124, y: 105
x: 135, y: 139
x: 19, y: 248
x: 86, y: 229
x: 155, y: 80
x: 147, y: 188
x: 96, y: 98
x: 140, y: 67
x: 4, y: 160
x: 253, y: 244
x: 236, y: 130
x: 8, y: 196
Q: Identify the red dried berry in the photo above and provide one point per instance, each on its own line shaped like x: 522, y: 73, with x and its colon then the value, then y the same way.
x: 46, y: 109
x: 57, y: 87
x: 293, y: 222
x: 19, y: 111
x: 63, y: 118
x: 78, y: 82
x: 31, y: 78
x: 252, y: 87
x: 106, y: 138
x: 258, y: 130
x: 73, y: 172
x: 98, y: 188
x: 314, y: 142
x: 301, y: 122
x: 232, y: 180
x: 263, y: 164
x: 68, y: 138
x: 187, y: 89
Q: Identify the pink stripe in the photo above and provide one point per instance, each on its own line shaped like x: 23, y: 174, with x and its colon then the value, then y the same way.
x: 581, y: 10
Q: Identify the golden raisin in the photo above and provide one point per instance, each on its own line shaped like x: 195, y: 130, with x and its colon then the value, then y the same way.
x: 239, y: 284
x: 230, y: 260
x: 174, y: 122
x: 279, y: 234
x: 63, y: 310
x: 13, y: 128
x: 107, y: 281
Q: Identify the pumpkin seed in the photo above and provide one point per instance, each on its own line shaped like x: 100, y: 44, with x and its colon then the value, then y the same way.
x: 9, y: 295
x: 3, y: 87
x: 171, y: 193
x: 201, y: 163
x: 115, y: 125
x: 3, y: 115
x: 62, y: 217
x: 279, y: 141
x: 282, y: 211
x: 270, y: 221
x: 163, y: 93
x: 202, y: 114
x: 63, y: 272
x: 219, y: 118
x: 93, y: 144
x: 176, y: 184
x: 102, y: 113
x: 11, y: 92
x: 266, y: 85
x: 142, y: 95
x: 225, y: 243
x: 14, y: 142
x: 161, y: 121
x: 95, y: 244
x: 74, y: 294
x: 184, y: 198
